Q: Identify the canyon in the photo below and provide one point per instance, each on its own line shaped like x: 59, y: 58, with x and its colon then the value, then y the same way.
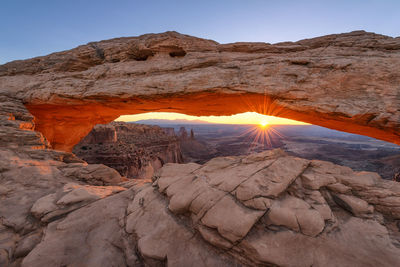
x: 262, y: 209
x: 358, y: 152
x: 134, y: 150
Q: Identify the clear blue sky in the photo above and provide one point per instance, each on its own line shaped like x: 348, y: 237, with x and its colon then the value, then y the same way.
x: 30, y: 28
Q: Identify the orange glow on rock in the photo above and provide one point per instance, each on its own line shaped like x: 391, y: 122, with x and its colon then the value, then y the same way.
x: 64, y: 124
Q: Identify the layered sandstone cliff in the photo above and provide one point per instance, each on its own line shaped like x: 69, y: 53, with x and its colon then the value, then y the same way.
x: 347, y: 82
x: 134, y: 150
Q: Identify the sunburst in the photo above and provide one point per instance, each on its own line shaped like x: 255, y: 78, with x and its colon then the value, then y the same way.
x: 263, y: 133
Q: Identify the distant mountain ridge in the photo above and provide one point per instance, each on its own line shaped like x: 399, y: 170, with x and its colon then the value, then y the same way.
x: 174, y: 122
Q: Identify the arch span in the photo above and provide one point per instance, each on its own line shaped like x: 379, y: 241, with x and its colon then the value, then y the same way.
x: 65, y: 125
x: 348, y: 82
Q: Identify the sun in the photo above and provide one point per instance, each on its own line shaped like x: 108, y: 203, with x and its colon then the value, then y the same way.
x: 263, y: 124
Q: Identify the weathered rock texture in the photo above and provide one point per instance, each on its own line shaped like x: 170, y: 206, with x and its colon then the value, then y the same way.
x: 134, y: 150
x: 264, y: 209
x: 348, y: 82
x: 38, y: 185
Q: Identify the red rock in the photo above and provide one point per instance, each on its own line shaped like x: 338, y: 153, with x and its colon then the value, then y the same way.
x: 347, y: 82
x: 134, y: 150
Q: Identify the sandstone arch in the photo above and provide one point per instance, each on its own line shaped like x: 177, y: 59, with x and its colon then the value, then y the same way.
x: 349, y: 82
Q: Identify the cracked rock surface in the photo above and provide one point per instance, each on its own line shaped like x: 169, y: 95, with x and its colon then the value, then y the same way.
x: 190, y: 215
x: 265, y: 209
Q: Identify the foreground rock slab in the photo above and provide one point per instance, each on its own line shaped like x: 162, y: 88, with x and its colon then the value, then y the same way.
x: 265, y: 209
x: 191, y: 215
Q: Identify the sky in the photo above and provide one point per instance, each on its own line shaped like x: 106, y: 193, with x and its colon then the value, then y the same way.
x: 30, y: 28
x: 242, y: 118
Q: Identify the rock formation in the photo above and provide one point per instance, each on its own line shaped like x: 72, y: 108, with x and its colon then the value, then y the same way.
x: 194, y: 150
x: 134, y: 150
x: 169, y: 131
x: 349, y: 82
x: 182, y: 133
x: 38, y: 185
x: 264, y: 209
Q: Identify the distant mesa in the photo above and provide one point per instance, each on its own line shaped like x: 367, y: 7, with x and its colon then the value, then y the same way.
x: 134, y: 150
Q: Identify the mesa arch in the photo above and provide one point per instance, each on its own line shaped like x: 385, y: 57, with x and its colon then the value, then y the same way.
x: 348, y: 82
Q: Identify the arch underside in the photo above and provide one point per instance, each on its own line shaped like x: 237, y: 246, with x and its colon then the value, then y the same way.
x: 65, y: 125
x: 348, y: 82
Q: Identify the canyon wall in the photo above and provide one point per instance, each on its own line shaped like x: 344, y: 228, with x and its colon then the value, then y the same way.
x: 348, y: 82
x: 134, y: 150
